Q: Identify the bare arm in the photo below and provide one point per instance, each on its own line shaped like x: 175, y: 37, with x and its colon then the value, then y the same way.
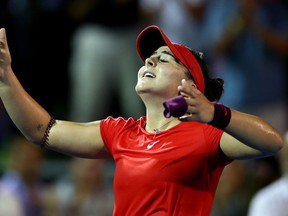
x: 246, y: 136
x: 32, y: 119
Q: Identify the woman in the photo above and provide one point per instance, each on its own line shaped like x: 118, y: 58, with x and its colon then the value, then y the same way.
x: 165, y: 164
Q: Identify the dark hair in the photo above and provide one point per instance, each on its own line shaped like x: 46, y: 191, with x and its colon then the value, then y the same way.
x: 214, y: 87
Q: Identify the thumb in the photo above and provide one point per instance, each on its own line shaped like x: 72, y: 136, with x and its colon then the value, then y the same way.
x: 187, y: 118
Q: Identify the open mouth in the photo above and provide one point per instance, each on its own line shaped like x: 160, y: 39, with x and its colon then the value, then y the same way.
x: 149, y: 75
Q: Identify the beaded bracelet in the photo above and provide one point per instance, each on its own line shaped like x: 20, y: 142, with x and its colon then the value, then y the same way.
x: 222, y: 116
x: 45, y: 139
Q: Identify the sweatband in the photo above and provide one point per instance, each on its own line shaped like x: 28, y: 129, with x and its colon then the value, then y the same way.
x: 222, y: 116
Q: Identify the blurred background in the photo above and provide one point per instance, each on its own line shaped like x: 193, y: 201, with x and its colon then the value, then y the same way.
x: 78, y: 59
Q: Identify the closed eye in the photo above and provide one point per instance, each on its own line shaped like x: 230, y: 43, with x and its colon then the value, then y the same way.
x: 164, y: 57
x: 163, y: 60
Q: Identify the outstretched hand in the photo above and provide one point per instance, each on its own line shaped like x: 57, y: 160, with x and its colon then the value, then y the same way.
x: 5, y: 58
x: 199, y: 107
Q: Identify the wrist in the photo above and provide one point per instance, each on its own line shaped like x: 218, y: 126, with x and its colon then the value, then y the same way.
x: 222, y: 116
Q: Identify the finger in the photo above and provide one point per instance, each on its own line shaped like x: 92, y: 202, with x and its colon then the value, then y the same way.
x: 189, y: 84
x: 188, y: 88
x: 2, y: 38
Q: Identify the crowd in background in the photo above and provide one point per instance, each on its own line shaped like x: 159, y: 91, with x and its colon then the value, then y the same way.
x: 76, y: 53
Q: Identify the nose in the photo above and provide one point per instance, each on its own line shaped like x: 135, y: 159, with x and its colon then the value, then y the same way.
x: 150, y: 62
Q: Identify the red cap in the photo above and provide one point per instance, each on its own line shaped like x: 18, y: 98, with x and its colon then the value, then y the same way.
x: 152, y: 37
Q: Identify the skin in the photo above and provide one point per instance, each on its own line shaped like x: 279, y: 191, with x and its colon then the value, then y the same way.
x: 170, y: 78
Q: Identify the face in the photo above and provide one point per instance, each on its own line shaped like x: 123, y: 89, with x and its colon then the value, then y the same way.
x: 161, y: 74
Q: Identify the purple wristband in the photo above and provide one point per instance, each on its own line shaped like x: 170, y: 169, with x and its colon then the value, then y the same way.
x: 222, y: 116
x: 175, y: 106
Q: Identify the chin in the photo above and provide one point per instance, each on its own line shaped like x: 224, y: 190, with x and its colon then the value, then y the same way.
x: 139, y: 89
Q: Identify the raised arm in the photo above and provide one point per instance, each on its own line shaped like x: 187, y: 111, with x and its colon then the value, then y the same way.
x: 246, y: 136
x: 32, y: 119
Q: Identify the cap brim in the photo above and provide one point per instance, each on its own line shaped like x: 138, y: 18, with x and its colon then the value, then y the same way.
x: 149, y: 40
x: 152, y: 37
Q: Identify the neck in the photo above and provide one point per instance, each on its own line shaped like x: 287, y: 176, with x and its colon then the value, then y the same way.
x: 155, y: 120
x: 158, y: 126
